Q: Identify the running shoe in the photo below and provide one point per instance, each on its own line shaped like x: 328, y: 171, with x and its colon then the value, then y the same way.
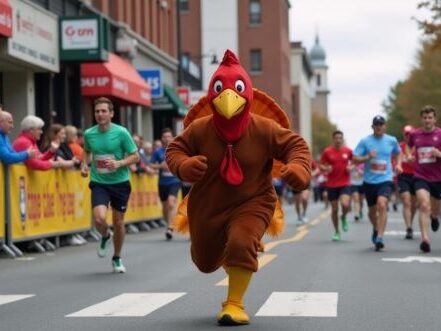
x: 425, y: 246
x: 395, y: 207
x: 379, y: 244
x: 169, y: 234
x: 434, y: 223
x: 344, y: 224
x: 336, y: 237
x: 409, y: 233
x: 374, y: 236
x: 104, y: 245
x: 117, y: 265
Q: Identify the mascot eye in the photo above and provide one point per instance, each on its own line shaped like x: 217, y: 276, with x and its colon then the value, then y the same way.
x: 217, y: 87
x: 240, y: 86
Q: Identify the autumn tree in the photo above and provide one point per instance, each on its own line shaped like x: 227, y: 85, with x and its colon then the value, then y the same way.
x: 431, y: 26
x: 421, y: 87
x: 322, y: 130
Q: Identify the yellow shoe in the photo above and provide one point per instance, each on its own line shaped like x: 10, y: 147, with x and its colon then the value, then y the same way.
x: 233, y: 313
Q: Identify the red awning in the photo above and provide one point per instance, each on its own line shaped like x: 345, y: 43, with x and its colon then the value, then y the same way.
x: 115, y: 78
x: 5, y: 18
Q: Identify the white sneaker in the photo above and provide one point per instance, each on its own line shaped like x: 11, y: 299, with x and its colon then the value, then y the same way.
x: 104, y: 245
x: 74, y: 241
x: 118, y: 267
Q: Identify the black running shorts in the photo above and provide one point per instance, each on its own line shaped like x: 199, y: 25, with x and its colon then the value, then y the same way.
x: 115, y: 194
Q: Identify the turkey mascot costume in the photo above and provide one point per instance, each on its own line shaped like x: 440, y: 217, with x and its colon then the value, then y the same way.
x: 227, y: 151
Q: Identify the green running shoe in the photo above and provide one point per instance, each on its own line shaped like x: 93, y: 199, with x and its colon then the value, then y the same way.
x: 103, y: 248
x: 344, y: 224
x: 336, y: 237
x: 118, y: 267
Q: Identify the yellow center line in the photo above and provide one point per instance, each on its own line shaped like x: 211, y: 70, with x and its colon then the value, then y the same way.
x: 263, y: 260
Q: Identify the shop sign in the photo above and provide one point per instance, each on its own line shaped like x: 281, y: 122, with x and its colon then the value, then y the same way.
x: 83, y: 38
x: 5, y: 19
x: 154, y: 78
x: 34, y: 36
x: 184, y: 94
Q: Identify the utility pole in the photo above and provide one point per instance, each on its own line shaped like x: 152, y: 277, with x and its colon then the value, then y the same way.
x: 178, y: 41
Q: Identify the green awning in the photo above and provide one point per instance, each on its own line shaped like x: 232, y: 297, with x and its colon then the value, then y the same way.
x: 170, y: 101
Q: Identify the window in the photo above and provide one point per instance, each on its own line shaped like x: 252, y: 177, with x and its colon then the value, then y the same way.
x: 255, y: 12
x: 256, y: 60
x: 185, y: 60
x: 319, y: 80
x: 184, y: 6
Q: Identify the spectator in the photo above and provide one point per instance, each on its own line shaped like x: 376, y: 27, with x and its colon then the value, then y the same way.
x: 57, y: 134
x: 138, y: 167
x: 7, y: 154
x: 146, y: 156
x: 31, y: 131
x: 80, y: 140
x: 72, y: 141
x: 157, y: 144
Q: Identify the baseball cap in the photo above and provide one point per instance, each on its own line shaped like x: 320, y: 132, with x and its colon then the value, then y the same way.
x: 378, y: 120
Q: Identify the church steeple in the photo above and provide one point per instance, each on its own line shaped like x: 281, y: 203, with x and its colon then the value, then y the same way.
x: 317, y: 53
x: 317, y: 56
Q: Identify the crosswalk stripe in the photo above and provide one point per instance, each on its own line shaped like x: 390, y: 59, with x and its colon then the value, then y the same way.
x: 128, y: 304
x: 8, y: 298
x: 300, y: 304
x: 400, y: 233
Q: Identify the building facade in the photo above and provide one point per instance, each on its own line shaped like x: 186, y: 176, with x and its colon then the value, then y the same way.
x: 301, y: 91
x: 256, y: 30
x: 146, y: 36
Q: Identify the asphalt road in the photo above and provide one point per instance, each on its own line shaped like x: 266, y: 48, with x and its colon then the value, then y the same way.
x: 306, y: 282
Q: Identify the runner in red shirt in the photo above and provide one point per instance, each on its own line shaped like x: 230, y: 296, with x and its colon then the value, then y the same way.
x: 335, y: 160
x: 406, y: 184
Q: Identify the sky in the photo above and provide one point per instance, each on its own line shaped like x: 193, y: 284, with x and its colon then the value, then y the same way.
x: 369, y: 45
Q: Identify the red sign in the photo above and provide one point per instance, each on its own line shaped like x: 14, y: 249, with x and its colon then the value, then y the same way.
x: 5, y: 19
x: 114, y: 78
x: 184, y: 94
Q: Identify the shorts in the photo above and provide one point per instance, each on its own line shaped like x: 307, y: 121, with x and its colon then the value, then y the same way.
x: 279, y: 190
x: 373, y: 191
x: 335, y: 192
x: 406, y: 183
x: 357, y: 188
x: 433, y: 187
x: 115, y: 194
x: 166, y: 190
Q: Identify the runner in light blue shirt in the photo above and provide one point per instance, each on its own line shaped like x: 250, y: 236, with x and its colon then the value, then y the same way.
x: 378, y: 168
x: 376, y: 152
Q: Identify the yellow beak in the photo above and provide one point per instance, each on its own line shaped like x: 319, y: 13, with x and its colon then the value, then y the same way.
x: 229, y: 103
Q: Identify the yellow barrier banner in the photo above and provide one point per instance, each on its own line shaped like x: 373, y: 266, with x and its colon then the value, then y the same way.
x: 144, y: 203
x: 2, y: 201
x: 45, y: 203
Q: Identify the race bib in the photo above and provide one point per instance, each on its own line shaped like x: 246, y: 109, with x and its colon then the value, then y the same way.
x: 378, y: 167
x: 100, y: 163
x: 425, y: 155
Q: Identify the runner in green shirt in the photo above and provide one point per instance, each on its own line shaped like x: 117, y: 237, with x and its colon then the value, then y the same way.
x: 109, y: 149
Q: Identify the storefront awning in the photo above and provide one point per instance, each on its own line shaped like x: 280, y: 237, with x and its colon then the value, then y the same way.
x: 115, y: 78
x: 5, y: 18
x: 170, y: 101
